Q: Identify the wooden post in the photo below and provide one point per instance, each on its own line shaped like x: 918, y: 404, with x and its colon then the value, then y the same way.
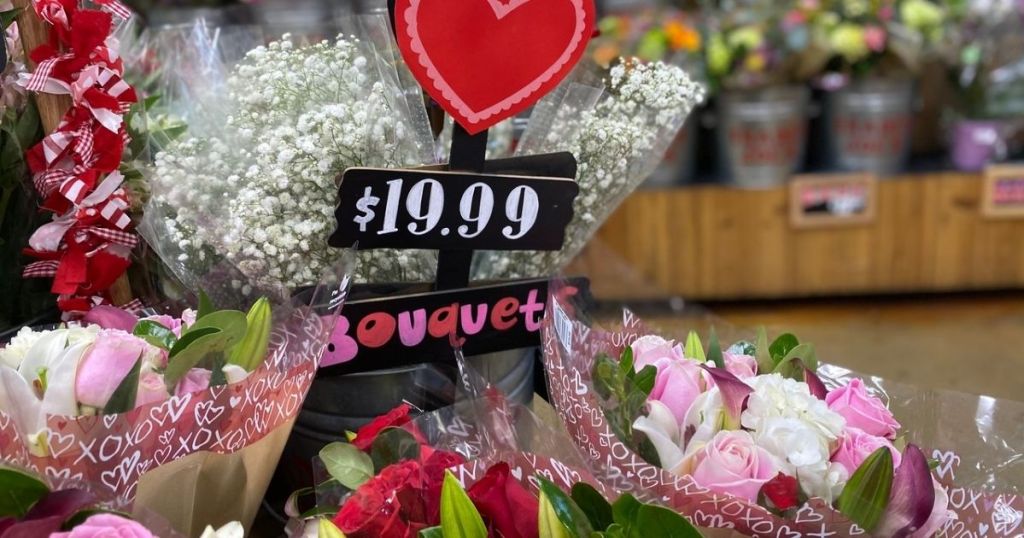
x: 34, y: 32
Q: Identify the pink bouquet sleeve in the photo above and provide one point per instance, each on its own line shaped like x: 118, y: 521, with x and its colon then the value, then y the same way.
x: 200, y: 458
x: 975, y: 440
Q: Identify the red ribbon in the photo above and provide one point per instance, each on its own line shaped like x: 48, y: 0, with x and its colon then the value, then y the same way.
x: 75, y: 167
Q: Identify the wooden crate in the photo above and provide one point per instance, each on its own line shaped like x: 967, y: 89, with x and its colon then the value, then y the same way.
x: 715, y: 243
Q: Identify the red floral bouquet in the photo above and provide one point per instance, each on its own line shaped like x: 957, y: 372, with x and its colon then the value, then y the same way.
x: 394, y: 483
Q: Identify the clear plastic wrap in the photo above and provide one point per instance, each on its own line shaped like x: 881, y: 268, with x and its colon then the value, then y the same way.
x: 975, y: 441
x: 618, y: 130
x: 243, y: 202
x: 204, y: 457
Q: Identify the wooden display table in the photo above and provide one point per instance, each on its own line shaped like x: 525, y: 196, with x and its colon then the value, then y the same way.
x: 708, y: 242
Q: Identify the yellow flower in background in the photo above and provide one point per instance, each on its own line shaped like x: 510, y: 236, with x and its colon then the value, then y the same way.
x: 606, y: 53
x: 719, y: 55
x: 682, y: 37
x: 921, y: 15
x: 848, y: 41
x: 746, y: 37
x: 755, y: 62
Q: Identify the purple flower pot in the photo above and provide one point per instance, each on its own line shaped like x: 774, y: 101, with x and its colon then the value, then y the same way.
x: 977, y: 143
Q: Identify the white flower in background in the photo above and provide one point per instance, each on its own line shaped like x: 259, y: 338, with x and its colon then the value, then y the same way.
x: 15, y: 351
x: 262, y: 193
x: 798, y: 429
x: 617, y: 144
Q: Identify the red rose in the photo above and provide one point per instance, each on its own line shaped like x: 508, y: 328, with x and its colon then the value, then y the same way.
x: 396, y: 418
x: 783, y: 491
x: 506, y: 506
x: 434, y: 467
x: 374, y: 509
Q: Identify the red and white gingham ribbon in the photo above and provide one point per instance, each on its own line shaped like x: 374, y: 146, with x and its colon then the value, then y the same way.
x: 41, y: 269
x: 116, y: 7
x: 37, y: 80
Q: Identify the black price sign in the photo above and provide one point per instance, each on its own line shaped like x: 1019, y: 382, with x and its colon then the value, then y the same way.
x: 427, y: 209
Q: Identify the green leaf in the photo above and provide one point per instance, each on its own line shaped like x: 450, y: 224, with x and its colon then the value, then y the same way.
x: 205, y: 306
x: 250, y: 352
x: 866, y: 495
x: 393, y: 445
x: 624, y: 511
x: 123, y: 398
x: 151, y: 101
x: 549, y: 526
x: 761, y: 353
x: 661, y: 522
x: 694, y: 349
x: 432, y: 532
x: 217, y: 376
x: 327, y: 529
x: 574, y: 519
x: 7, y: 17
x: 593, y: 504
x: 347, y: 464
x: 319, y: 511
x: 608, y: 378
x: 217, y: 332
x: 645, y: 379
x: 155, y: 334
x: 715, y: 350
x: 18, y: 492
x: 626, y: 361
x: 459, y: 518
x: 791, y: 365
x: 782, y: 346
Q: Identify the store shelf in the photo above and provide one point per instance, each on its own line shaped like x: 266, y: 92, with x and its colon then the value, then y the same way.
x: 717, y: 243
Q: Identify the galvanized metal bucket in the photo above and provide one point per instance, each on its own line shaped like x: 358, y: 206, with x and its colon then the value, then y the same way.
x: 762, y: 135
x: 677, y: 168
x: 869, y: 126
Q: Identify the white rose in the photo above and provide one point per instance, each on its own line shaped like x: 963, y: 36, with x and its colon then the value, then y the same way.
x: 793, y: 441
x: 825, y: 480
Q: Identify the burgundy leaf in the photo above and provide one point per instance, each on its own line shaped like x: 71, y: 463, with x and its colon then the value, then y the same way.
x: 34, y: 528
x: 62, y: 504
x: 912, y: 497
x: 734, y: 392
x: 111, y: 317
x: 814, y: 383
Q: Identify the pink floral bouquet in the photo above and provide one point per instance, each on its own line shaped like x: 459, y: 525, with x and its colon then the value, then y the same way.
x: 761, y: 439
x: 185, y: 416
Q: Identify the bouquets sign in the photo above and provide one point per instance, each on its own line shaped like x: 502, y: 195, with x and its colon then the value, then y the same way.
x: 487, y: 60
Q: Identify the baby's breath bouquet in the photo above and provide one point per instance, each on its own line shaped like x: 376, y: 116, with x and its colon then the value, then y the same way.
x: 618, y: 128
x: 245, y: 201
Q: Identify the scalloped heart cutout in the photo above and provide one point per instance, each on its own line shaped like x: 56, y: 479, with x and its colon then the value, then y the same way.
x: 487, y: 60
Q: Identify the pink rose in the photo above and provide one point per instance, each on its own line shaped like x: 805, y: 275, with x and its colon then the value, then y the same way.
x: 855, y: 447
x: 152, y: 389
x: 875, y: 38
x: 732, y: 463
x: 167, y: 321
x: 862, y: 410
x: 197, y: 379
x: 188, y: 317
x: 651, y: 350
x: 105, y: 365
x: 741, y: 366
x: 106, y: 526
x: 678, y: 384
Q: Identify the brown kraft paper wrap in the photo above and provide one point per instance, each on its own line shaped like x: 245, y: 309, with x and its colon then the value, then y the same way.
x: 986, y: 503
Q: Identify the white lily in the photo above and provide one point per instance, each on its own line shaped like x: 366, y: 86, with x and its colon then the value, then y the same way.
x: 231, y: 530
x: 661, y: 428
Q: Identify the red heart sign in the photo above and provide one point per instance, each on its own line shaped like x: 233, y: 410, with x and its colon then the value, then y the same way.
x: 487, y: 60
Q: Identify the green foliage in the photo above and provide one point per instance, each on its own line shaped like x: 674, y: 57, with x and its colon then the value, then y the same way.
x: 347, y: 464
x: 393, y: 445
x: 214, y: 334
x: 459, y: 518
x: 123, y: 398
x: 866, y: 495
x: 625, y: 392
x: 18, y: 492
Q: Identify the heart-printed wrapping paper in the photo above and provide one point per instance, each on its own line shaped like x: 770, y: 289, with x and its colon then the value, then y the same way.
x: 118, y: 450
x: 570, y: 346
